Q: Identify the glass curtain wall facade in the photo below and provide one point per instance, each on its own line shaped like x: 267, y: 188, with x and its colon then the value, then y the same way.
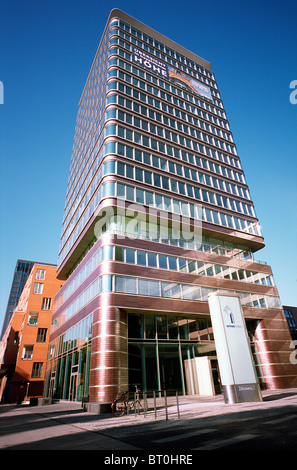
x: 158, y: 215
x: 21, y: 274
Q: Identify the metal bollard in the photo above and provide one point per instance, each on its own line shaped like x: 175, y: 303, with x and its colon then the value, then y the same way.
x: 177, y: 404
x: 144, y: 403
x: 155, y: 406
x: 166, y: 410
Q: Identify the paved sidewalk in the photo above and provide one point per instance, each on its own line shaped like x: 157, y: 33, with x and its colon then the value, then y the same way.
x: 65, y: 426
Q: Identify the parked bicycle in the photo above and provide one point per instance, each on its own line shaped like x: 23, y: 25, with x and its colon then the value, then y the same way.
x: 123, y: 403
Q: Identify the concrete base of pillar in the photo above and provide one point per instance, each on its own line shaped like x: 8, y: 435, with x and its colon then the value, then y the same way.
x: 44, y: 401
x: 97, y: 408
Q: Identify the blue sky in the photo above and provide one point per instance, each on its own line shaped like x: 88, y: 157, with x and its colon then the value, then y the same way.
x: 47, y: 48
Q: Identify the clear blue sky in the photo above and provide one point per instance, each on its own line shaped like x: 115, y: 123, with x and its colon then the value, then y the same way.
x: 47, y: 48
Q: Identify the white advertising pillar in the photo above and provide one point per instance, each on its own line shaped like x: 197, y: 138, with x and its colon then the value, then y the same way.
x: 235, y: 360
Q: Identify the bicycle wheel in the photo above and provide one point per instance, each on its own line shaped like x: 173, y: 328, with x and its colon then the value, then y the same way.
x: 140, y: 406
x: 118, y: 408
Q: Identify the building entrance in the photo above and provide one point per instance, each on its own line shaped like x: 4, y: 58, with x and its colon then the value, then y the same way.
x: 162, y: 350
x: 52, y: 384
x: 73, y: 383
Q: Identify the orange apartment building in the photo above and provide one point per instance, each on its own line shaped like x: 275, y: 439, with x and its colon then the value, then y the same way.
x: 25, y: 341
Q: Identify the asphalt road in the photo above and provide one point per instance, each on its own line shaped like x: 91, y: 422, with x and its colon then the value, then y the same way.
x: 202, y: 424
x: 251, y: 430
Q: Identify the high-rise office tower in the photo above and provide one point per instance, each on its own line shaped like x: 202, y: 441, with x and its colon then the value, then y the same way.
x: 158, y: 215
x: 20, y: 276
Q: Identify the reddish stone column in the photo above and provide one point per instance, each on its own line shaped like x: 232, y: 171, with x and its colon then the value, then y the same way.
x: 273, y: 345
x: 109, y: 352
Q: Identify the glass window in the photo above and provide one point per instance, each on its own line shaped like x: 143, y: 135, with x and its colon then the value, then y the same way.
x: 27, y: 351
x: 146, y: 158
x: 182, y: 188
x: 130, y: 193
x: 193, y: 329
x: 152, y: 260
x: 159, y: 201
x: 106, y: 283
x: 143, y: 287
x: 37, y: 370
x: 139, y: 174
x: 107, y: 252
x: 139, y: 196
x: 130, y: 255
x: 135, y: 326
x: 141, y: 258
x: 138, y: 155
x: 33, y: 318
x: 40, y: 274
x: 46, y: 303
x: 109, y: 189
x: 119, y: 253
x: 41, y: 335
x: 165, y: 182
x: 129, y: 171
x: 130, y: 285
x: 148, y: 177
x: 183, y: 328
x: 209, y: 271
x: 149, y: 198
x: 192, y: 266
x: 172, y: 262
x: 183, y: 265
x: 154, y: 288
x: 157, y: 180
x: 161, y: 326
x: 150, y: 329
x: 172, y: 327
x: 121, y: 190
x: 203, y: 329
x: 38, y: 288
x: 109, y: 167
x: 163, y: 261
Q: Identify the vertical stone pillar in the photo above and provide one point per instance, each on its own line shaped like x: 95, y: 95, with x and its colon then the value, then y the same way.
x: 272, y: 340
x: 109, y: 353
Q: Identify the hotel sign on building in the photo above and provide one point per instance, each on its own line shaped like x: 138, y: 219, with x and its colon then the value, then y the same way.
x: 140, y: 57
x: 149, y: 62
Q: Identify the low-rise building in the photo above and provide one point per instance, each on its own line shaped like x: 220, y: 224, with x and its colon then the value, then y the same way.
x: 25, y: 341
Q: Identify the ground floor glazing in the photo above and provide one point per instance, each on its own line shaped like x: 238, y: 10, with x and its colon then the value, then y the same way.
x: 163, y: 351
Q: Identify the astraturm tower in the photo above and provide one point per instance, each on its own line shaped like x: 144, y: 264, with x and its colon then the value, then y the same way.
x: 158, y: 215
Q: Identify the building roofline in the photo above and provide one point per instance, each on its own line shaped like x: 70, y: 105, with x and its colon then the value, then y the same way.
x: 35, y: 262
x: 117, y: 13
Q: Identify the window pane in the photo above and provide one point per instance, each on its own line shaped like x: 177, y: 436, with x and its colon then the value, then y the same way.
x: 150, y: 330
x: 172, y: 262
x: 172, y: 328
x: 130, y: 285
x: 119, y: 253
x: 152, y: 260
x: 161, y: 327
x: 141, y: 258
x: 163, y: 261
x: 130, y: 255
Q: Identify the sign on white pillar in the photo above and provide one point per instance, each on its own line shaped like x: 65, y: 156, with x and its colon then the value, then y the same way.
x: 235, y: 360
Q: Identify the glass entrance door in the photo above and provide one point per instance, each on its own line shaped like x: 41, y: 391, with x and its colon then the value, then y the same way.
x: 73, y: 383
x: 52, y: 384
x: 170, y: 368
